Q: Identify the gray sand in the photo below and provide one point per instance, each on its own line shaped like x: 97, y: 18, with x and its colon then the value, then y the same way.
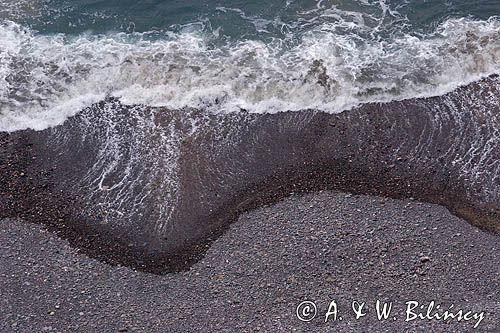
x: 322, y: 247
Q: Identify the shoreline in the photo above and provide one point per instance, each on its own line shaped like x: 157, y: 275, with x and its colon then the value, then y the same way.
x: 239, y: 162
x: 319, y: 247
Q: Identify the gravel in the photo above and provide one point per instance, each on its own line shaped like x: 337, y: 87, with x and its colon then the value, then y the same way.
x: 320, y: 247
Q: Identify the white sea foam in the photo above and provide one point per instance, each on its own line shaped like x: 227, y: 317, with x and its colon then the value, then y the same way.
x: 331, y: 65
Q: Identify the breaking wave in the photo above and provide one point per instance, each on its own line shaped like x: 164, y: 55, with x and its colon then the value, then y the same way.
x: 327, y: 60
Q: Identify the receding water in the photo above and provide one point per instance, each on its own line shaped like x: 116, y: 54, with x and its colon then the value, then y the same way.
x: 159, y: 121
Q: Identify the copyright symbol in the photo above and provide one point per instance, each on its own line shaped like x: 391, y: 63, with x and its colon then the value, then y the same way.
x: 306, y: 311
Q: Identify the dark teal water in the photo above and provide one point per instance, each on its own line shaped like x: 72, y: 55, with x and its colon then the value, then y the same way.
x: 239, y: 18
x: 59, y: 56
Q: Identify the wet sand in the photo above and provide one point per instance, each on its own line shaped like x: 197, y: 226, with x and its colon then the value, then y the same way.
x: 152, y: 188
x: 320, y: 247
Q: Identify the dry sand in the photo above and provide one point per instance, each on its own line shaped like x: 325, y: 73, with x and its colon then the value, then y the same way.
x: 319, y: 247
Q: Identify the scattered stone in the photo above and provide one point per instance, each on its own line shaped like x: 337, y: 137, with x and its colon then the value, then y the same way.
x: 349, y: 258
x: 424, y: 259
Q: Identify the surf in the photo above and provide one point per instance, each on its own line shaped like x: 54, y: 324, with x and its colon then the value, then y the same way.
x: 45, y: 79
